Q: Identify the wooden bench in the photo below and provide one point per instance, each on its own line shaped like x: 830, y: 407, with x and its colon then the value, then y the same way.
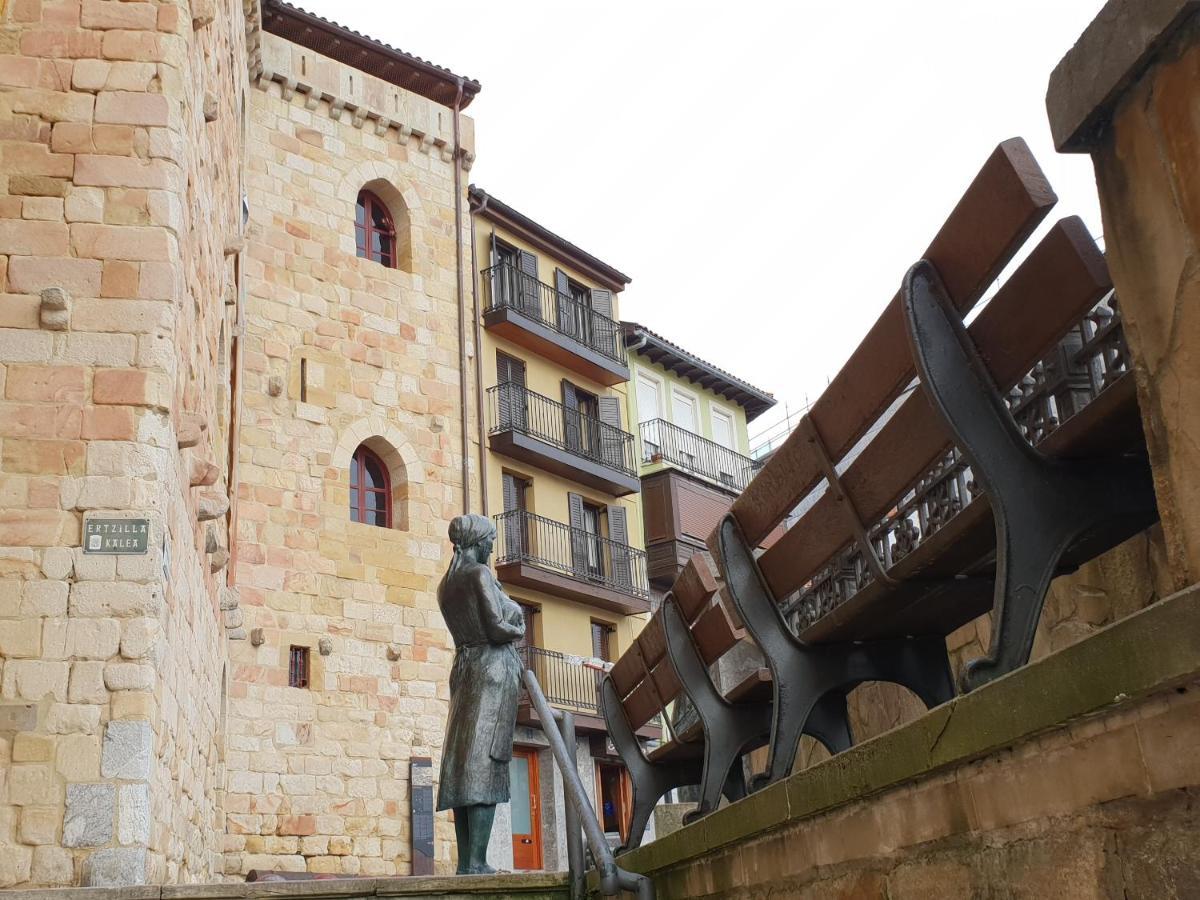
x: 669, y: 659
x: 1037, y: 513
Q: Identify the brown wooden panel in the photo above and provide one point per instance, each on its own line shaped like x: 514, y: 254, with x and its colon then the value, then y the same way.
x: 641, y: 706
x: 714, y: 634
x: 652, y: 641
x: 627, y: 671
x: 700, y: 508
x: 694, y: 587
x: 1001, y: 208
x: 656, y: 510
x: 1051, y: 291
x: 754, y: 687
x: 666, y: 681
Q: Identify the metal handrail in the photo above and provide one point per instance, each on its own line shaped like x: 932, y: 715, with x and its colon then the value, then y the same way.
x: 663, y: 441
x: 523, y: 536
x: 507, y: 287
x: 613, y: 879
x: 512, y: 407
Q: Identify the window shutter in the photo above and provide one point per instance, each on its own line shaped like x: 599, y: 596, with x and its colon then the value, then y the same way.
x: 512, y: 493
x: 530, y: 302
x: 618, y: 533
x: 511, y: 399
x: 562, y: 301
x: 612, y: 438
x: 570, y: 417
x: 602, y: 302
x: 514, y: 522
x: 579, y: 537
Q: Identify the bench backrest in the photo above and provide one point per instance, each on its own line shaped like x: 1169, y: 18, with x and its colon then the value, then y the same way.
x: 1053, y: 288
x: 643, y: 677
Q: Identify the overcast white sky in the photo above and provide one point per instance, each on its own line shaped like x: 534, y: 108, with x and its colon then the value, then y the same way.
x: 765, y: 172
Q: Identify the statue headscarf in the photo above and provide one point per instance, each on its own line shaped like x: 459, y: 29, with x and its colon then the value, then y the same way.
x: 467, y: 531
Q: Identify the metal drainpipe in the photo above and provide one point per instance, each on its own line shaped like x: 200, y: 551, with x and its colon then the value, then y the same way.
x: 483, y: 467
x: 462, y: 308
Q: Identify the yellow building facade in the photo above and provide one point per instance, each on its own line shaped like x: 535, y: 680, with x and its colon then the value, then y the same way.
x: 559, y: 462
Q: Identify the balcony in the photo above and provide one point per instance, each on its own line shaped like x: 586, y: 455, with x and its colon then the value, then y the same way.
x: 572, y: 563
x: 573, y: 683
x: 554, y: 325
x: 545, y: 433
x: 670, y: 444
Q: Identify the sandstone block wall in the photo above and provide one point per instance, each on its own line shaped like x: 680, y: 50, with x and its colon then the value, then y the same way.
x: 119, y: 190
x: 341, y: 351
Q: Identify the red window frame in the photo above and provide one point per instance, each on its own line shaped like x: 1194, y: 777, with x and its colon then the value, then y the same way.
x: 366, y: 229
x: 359, y: 491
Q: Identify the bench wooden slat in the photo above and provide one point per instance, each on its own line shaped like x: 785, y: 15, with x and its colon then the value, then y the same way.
x: 1001, y: 208
x: 694, y: 587
x: 714, y: 633
x: 641, y: 706
x: 627, y: 671
x: 966, y: 544
x: 1062, y: 279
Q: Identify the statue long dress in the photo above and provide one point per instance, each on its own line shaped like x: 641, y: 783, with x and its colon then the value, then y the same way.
x: 484, y: 687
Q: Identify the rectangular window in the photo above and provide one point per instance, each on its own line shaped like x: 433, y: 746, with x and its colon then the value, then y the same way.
x: 298, y: 667
x: 592, y: 519
x: 589, y: 421
x: 602, y: 641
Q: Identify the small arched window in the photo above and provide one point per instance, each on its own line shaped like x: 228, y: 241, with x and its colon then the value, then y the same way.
x: 374, y: 231
x: 370, y: 489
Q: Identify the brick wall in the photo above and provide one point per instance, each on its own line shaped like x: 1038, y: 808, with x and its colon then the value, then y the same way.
x: 119, y: 141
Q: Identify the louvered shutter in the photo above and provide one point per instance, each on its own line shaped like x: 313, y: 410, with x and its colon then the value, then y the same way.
x: 570, y: 417
x: 612, y: 438
x: 604, y: 330
x: 530, y: 302
x: 511, y: 396
x: 618, y: 535
x: 514, y: 520
x: 562, y: 300
x: 579, y: 536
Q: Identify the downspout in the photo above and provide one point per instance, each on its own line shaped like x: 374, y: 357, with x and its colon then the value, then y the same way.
x: 483, y: 468
x: 462, y: 307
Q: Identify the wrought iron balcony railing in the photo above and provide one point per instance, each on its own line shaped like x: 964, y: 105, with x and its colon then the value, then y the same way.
x: 512, y: 407
x: 575, y: 552
x: 507, y: 287
x: 566, y: 680
x: 664, y: 442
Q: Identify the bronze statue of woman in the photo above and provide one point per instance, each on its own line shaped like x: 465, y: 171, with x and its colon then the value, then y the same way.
x: 484, y: 686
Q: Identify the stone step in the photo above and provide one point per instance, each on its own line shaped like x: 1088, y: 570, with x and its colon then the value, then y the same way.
x: 525, y: 886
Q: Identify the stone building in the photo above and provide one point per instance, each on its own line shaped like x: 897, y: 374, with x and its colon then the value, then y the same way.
x: 194, y: 349
x: 351, y: 447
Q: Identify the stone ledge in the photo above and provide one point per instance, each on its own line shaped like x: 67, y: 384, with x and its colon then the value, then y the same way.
x: 1109, y: 56
x: 532, y: 886
x: 1150, y: 652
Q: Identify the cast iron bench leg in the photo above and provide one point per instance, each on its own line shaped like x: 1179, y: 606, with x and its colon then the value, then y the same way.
x: 728, y: 727
x: 805, y: 673
x: 650, y: 781
x: 1041, y: 506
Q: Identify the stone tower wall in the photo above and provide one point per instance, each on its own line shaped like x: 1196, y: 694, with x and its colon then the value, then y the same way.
x: 342, y: 351
x: 120, y: 141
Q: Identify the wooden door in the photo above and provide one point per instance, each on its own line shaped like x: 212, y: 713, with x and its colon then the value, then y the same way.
x: 526, y: 812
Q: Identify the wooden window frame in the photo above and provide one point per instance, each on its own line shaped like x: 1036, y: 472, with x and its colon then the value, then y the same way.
x: 358, y: 470
x: 368, y: 202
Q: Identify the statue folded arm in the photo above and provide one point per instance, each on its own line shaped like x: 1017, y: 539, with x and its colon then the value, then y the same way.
x: 496, y: 626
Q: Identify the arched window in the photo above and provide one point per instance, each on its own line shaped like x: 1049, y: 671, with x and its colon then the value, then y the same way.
x: 374, y: 231
x: 370, y: 489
